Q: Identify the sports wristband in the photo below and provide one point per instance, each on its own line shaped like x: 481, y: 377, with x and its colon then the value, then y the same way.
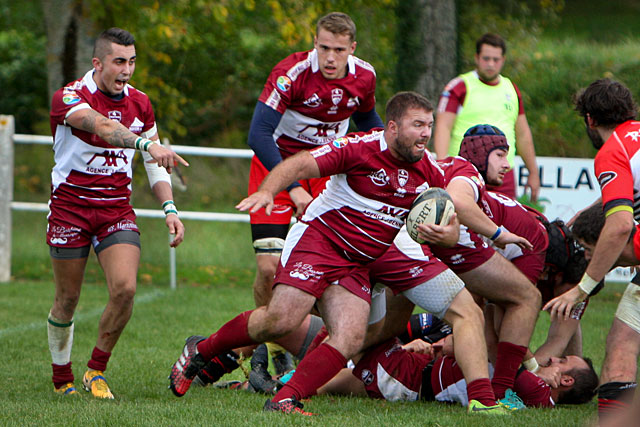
x: 143, y: 144
x: 587, y: 284
x: 169, y: 208
x: 531, y: 365
x: 496, y: 234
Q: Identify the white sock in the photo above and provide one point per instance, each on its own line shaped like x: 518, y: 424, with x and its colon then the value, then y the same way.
x: 60, y: 335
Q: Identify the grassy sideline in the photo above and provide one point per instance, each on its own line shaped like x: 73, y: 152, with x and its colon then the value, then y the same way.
x: 215, y: 272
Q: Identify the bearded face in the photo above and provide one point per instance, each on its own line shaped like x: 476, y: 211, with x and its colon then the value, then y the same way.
x: 594, y: 136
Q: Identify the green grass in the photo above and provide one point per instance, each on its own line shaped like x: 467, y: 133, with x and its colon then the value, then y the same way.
x: 215, y: 271
x: 141, y: 361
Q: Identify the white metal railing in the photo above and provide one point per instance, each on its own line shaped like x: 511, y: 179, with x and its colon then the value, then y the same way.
x: 152, y: 213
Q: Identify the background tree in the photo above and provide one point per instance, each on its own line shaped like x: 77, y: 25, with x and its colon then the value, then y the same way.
x: 427, y: 49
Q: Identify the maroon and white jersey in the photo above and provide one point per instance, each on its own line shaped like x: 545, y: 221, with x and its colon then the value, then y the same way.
x: 88, y: 171
x: 364, y: 205
x: 389, y: 372
x: 449, y: 385
x: 509, y: 214
x: 316, y: 110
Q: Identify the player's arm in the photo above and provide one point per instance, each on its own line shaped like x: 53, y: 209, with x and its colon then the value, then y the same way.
x: 300, y: 166
x: 613, y: 239
x: 89, y: 120
x: 442, y: 133
x: 526, y: 150
x: 264, y: 122
x: 160, y: 183
x: 470, y: 215
x: 367, y: 121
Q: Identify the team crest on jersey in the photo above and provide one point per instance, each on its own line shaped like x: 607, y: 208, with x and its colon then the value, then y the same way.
x: 70, y: 98
x: 336, y: 95
x: 379, y: 177
x: 313, y: 101
x: 340, y: 142
x: 284, y: 83
x: 403, y: 177
x: 115, y: 115
x: 634, y: 135
x: 367, y: 377
x: 606, y: 177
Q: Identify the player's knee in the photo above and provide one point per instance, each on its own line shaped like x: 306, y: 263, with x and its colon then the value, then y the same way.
x: 123, y: 294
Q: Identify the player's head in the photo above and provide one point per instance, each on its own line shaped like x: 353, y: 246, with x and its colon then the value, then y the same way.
x: 409, y: 118
x: 490, y: 55
x: 103, y: 44
x: 605, y: 103
x: 564, y: 254
x: 486, y: 147
x: 337, y: 23
x: 578, y: 381
x: 114, y: 59
x: 588, y: 225
x: 335, y: 40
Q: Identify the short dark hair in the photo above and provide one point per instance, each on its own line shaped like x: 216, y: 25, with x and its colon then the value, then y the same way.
x: 102, y: 46
x: 398, y: 105
x: 584, y: 385
x: 337, y: 23
x: 589, y: 224
x: 492, y: 40
x: 607, y: 102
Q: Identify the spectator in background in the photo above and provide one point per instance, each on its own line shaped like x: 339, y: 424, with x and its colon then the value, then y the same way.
x: 485, y: 96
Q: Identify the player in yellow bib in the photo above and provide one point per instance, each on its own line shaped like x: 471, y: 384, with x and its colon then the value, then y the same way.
x: 485, y: 96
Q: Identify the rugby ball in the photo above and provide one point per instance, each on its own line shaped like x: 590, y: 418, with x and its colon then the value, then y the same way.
x: 432, y: 206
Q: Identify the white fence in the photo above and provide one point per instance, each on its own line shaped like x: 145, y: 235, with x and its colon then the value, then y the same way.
x: 568, y: 185
x: 7, y: 204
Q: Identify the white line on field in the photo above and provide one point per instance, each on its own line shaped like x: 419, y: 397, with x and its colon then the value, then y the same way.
x: 142, y: 299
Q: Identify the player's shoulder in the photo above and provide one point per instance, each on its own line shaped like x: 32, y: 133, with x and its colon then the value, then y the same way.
x: 362, y: 66
x: 628, y: 133
x: 294, y: 64
x: 364, y: 143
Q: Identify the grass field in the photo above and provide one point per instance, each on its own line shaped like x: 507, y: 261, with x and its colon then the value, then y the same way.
x: 215, y: 272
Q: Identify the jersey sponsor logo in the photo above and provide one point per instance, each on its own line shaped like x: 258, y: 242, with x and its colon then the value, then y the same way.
x: 606, y: 177
x: 110, y: 160
x: 322, y: 130
x: 415, y: 271
x: 283, y: 83
x: 125, y: 225
x: 274, y: 99
x: 320, y: 151
x: 457, y: 259
x: 394, y: 211
x: 367, y: 376
x: 634, y: 135
x: 379, y: 177
x: 313, y: 101
x: 70, y: 98
x: 353, y: 102
x: 340, y: 142
x: 115, y: 115
x: 58, y: 241
x: 136, y: 126
x: 305, y: 272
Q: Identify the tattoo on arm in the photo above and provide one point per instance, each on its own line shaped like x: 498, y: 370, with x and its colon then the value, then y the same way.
x: 109, y: 130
